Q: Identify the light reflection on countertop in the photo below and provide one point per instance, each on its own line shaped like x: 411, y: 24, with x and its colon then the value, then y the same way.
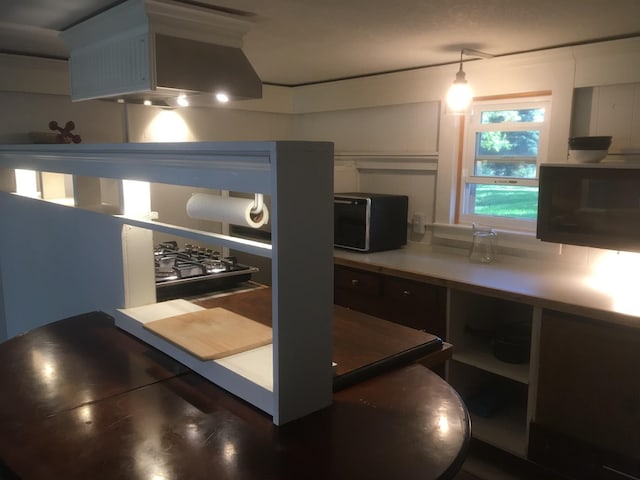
x: 616, y: 275
x: 607, y: 287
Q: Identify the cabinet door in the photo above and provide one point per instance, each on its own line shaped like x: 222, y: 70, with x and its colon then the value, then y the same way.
x: 589, y: 386
x: 415, y: 304
x: 577, y: 458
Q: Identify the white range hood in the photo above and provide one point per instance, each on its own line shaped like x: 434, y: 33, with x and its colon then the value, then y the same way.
x: 156, y: 50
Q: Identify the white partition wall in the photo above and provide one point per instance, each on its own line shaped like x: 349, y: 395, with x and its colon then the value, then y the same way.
x: 298, y: 176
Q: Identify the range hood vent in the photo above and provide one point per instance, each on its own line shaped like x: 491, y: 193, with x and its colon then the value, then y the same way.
x: 158, y: 50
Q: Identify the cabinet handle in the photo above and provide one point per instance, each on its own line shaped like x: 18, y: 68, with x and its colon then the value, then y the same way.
x: 406, y: 293
x: 355, y: 282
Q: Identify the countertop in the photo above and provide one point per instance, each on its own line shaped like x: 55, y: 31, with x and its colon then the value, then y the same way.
x: 606, y: 293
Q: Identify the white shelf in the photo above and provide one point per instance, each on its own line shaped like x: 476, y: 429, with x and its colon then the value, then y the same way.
x: 242, y: 244
x: 248, y: 374
x: 237, y: 166
x: 480, y: 356
x: 505, y: 430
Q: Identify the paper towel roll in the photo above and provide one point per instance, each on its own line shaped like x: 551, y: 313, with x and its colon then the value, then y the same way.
x: 226, y: 209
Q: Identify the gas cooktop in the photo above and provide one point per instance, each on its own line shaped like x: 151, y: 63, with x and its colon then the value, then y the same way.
x: 193, y: 270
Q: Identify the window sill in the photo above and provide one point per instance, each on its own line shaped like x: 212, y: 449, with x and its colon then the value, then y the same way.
x: 510, y: 242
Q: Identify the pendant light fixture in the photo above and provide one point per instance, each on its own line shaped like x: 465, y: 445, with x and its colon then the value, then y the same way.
x: 460, y: 95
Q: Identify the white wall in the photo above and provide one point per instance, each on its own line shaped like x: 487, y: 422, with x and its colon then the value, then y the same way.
x: 405, y: 129
x: 22, y: 113
x: 150, y: 124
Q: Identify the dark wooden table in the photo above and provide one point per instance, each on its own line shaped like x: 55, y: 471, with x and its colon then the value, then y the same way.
x: 363, y: 345
x: 82, y: 399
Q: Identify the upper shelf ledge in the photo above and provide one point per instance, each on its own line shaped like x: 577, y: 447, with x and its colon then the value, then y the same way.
x: 237, y: 166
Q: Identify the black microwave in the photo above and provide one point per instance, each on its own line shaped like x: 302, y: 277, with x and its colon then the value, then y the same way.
x: 370, y: 222
x: 595, y: 205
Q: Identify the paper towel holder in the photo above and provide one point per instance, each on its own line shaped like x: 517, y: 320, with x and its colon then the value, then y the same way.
x: 236, y: 210
x: 257, y: 210
x: 258, y: 204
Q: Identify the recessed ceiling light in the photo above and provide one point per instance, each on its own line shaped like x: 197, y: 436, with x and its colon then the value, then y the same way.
x: 222, y: 97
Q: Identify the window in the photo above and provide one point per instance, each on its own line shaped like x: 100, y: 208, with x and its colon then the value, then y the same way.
x: 505, y: 142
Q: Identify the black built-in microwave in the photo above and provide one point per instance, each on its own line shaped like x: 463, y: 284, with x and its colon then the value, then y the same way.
x: 370, y: 222
x: 595, y: 205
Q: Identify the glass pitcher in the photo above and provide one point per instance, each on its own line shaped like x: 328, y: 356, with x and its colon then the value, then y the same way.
x: 483, y: 245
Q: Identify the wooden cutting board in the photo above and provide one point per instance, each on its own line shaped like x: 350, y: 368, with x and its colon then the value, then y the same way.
x: 212, y: 333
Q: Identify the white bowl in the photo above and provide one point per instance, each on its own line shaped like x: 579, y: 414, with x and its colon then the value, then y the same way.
x: 587, y: 156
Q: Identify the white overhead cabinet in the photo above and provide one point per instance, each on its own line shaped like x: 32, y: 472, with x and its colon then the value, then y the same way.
x: 70, y: 258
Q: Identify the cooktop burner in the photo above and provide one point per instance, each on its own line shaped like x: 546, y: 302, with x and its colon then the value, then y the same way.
x: 194, y: 270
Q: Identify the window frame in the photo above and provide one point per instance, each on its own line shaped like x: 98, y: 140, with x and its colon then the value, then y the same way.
x: 472, y: 127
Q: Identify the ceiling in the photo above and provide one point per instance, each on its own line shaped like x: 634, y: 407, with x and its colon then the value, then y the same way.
x: 295, y: 42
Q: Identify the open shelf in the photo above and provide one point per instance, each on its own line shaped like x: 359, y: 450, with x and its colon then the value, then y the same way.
x: 242, y: 244
x: 505, y: 430
x: 497, y: 405
x: 249, y: 374
x: 479, y: 355
x: 476, y: 320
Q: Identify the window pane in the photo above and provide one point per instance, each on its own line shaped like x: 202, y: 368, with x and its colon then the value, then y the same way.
x: 506, y: 154
x: 507, y: 167
x: 503, y: 201
x: 509, y: 143
x: 535, y: 115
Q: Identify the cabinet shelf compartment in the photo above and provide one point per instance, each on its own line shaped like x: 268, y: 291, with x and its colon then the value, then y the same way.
x: 479, y: 354
x: 497, y: 405
x: 476, y: 321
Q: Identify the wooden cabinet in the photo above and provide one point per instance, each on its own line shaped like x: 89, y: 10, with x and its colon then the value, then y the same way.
x: 411, y: 303
x: 573, y: 407
x: 587, y: 421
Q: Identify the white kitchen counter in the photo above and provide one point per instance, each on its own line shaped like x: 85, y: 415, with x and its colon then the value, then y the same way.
x: 608, y: 292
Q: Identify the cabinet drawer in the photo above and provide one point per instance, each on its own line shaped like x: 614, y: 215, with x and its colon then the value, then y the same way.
x: 409, y: 294
x: 359, y: 290
x: 363, y: 282
x: 407, y: 302
x: 415, y: 304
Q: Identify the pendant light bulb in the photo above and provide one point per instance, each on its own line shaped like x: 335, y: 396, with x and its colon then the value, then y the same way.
x: 459, y: 95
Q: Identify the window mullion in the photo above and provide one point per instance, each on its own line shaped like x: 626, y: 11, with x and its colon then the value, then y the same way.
x: 478, y: 179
